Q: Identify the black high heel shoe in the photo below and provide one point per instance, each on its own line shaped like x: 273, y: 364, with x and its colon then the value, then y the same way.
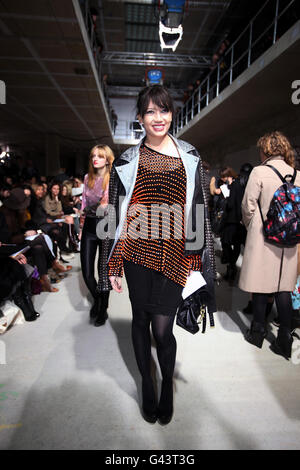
x: 101, y: 305
x: 95, y: 308
x: 28, y: 297
x: 283, y: 343
x: 256, y: 334
x: 21, y: 301
x: 150, y: 417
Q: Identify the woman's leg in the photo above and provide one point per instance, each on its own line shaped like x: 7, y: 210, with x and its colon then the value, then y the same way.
x: 139, y: 285
x: 257, y: 331
x: 284, y: 308
x: 259, y: 307
x: 101, y: 304
x: 72, y: 238
x: 58, y: 238
x: 162, y: 328
x: 39, y: 258
x: 88, y: 251
x: 141, y: 338
x: 53, y: 234
x: 283, y: 343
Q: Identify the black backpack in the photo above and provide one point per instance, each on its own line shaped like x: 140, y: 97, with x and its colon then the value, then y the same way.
x: 282, y: 226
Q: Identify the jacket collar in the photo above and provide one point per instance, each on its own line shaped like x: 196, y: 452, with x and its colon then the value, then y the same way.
x: 185, y: 146
x: 133, y: 152
x: 274, y: 157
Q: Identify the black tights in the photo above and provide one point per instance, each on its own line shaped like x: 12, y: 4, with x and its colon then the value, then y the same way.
x: 58, y: 239
x: 162, y: 329
x: 154, y: 300
x: 89, y: 245
x: 283, y: 303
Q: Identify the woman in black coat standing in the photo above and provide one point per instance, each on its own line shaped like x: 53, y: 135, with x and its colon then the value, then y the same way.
x: 233, y: 233
x: 166, y: 172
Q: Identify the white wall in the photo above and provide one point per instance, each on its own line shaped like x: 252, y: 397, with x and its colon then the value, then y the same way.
x: 125, y: 108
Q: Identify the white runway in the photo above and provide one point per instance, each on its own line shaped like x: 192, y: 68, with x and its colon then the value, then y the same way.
x: 69, y: 385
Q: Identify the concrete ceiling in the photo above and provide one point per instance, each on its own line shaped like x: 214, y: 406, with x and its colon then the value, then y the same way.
x: 133, y: 27
x: 50, y: 82
x: 258, y: 101
x: 50, y: 85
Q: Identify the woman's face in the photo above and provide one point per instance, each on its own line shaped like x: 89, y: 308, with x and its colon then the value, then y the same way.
x: 64, y: 191
x: 39, y: 192
x: 98, y: 160
x: 156, y: 121
x: 55, y: 190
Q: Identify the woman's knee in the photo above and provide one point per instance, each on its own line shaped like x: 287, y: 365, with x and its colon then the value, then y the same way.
x: 140, y: 319
x: 163, y: 336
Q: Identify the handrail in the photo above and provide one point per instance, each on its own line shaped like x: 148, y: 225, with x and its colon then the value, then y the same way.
x: 216, y: 81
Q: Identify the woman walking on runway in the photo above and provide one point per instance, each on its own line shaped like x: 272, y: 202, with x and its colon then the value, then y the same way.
x: 163, y: 172
x: 95, y: 194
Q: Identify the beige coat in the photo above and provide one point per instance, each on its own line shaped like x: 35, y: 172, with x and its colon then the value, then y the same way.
x: 52, y: 207
x: 260, y: 270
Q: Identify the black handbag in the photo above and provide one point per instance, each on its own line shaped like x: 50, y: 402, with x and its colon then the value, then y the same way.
x: 192, y: 311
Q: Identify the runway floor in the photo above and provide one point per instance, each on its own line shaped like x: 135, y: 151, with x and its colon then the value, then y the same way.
x: 69, y: 385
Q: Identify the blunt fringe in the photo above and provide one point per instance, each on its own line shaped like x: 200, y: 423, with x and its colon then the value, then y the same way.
x: 158, y: 94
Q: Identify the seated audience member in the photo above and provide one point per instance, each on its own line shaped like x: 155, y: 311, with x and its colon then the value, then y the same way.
x: 77, y: 192
x: 69, y: 207
x: 54, y: 209
x: 15, y: 275
x: 46, y: 223
x: 14, y: 208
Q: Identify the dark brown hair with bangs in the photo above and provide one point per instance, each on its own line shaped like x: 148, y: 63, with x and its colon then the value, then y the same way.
x: 158, y: 94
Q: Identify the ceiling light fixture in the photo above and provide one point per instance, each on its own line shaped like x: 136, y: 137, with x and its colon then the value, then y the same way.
x: 170, y: 24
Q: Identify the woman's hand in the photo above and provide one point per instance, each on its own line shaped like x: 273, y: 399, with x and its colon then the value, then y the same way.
x: 80, y: 234
x: 49, y: 221
x: 116, y: 283
x: 21, y: 259
x: 69, y: 219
